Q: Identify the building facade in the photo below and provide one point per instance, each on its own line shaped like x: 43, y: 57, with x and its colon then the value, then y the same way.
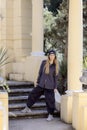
x: 21, y: 32
x: 16, y: 27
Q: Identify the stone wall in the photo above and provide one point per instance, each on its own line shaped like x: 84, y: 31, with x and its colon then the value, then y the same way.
x: 16, y: 26
x: 16, y: 29
x: 22, y: 27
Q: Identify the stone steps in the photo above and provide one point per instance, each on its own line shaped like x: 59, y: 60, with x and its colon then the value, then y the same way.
x: 21, y: 91
x: 20, y: 106
x: 18, y: 84
x: 18, y: 98
x: 33, y: 114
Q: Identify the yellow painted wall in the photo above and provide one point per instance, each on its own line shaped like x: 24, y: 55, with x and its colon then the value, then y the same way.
x: 15, y: 30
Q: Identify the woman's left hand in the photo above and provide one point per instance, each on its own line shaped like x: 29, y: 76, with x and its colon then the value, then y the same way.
x: 55, y: 90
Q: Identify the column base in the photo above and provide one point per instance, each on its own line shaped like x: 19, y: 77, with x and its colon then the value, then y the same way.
x: 1, y: 120
x: 66, y: 108
x: 66, y: 105
x: 79, y: 101
x: 84, y: 118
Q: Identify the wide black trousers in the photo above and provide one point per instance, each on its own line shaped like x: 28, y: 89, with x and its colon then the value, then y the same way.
x: 49, y: 98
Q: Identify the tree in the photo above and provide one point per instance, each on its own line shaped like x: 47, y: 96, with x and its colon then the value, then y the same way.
x: 55, y: 29
x: 53, y: 5
x: 56, y: 35
x: 85, y: 28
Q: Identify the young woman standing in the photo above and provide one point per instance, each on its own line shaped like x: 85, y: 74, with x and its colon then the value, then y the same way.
x: 46, y: 84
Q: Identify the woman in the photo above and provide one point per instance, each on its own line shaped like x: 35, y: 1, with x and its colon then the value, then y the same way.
x: 46, y: 84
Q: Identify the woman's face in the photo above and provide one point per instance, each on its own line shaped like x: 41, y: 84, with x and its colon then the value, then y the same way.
x: 51, y: 57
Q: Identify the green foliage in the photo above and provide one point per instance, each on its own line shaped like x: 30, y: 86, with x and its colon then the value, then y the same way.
x: 85, y: 27
x: 63, y: 68
x: 4, y: 85
x: 52, y: 5
x: 49, y: 21
x: 4, y: 59
x: 56, y: 33
x: 62, y: 80
x: 55, y: 29
x: 85, y: 62
x: 46, y: 2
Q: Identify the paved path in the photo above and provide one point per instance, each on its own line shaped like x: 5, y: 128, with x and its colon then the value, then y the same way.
x: 38, y: 124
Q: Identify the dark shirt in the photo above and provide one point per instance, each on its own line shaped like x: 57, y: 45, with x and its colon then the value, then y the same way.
x: 48, y: 81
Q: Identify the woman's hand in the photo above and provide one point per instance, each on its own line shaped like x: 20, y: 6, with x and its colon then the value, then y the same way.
x: 55, y: 90
x: 35, y: 84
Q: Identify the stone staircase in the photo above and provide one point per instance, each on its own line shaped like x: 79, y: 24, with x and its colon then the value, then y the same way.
x: 18, y: 98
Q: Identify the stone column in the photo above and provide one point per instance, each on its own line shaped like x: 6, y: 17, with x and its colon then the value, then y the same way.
x: 33, y: 62
x: 79, y: 102
x: 37, y: 27
x: 3, y: 18
x: 75, y: 50
x: 4, y: 100
x: 75, y: 45
x: 6, y: 31
x: 1, y: 120
x: 17, y: 24
x: 22, y: 28
x: 3, y: 29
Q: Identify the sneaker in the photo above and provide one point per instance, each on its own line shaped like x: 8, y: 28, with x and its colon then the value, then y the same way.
x: 26, y: 110
x: 50, y: 117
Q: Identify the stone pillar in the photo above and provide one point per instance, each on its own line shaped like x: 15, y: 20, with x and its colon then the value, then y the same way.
x: 75, y: 45
x: 75, y: 50
x: 3, y: 27
x: 17, y: 29
x: 4, y: 100
x: 22, y: 28
x: 79, y: 101
x: 37, y: 27
x: 66, y: 108
x: 9, y: 26
x: 1, y: 119
x: 3, y: 19
x: 33, y: 62
x: 84, y: 118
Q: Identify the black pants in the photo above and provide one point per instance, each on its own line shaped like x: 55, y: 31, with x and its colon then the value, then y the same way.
x: 49, y: 98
